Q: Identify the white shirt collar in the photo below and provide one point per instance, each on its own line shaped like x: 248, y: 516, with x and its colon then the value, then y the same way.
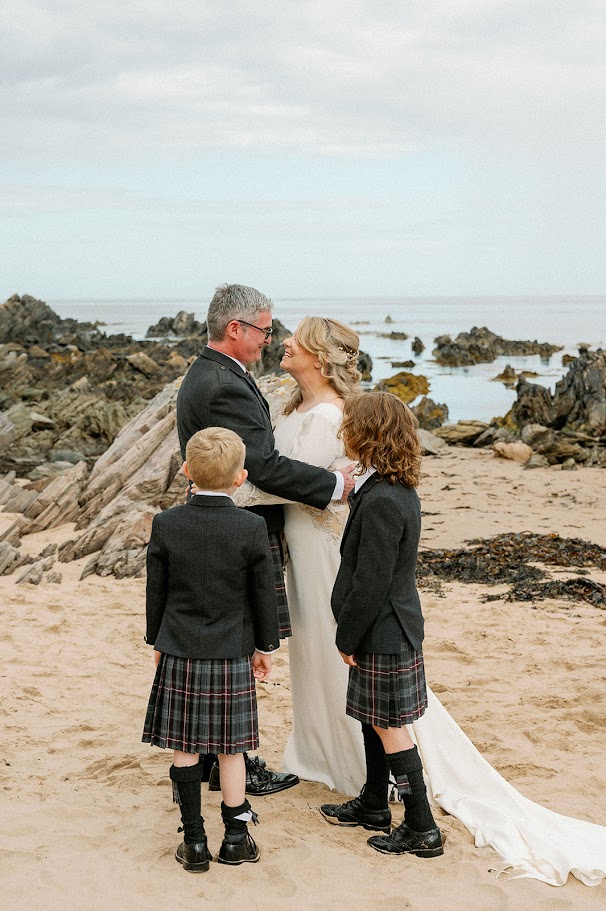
x: 362, y: 478
x: 235, y: 359
x: 210, y: 493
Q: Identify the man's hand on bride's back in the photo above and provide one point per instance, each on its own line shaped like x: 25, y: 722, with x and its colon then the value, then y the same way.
x: 349, y: 479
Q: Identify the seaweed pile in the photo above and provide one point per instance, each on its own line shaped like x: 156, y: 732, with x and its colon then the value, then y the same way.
x: 510, y: 559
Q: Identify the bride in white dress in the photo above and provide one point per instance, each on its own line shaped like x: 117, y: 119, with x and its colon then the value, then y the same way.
x: 325, y: 744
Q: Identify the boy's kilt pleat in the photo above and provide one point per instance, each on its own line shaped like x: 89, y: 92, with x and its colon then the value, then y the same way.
x: 388, y: 691
x: 203, y: 705
x: 277, y: 555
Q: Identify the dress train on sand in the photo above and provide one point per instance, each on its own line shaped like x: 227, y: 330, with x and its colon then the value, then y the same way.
x: 326, y: 745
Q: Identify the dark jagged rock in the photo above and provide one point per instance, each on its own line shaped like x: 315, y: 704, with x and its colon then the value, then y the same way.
x: 483, y: 346
x: 579, y: 400
x: 183, y: 325
x: 365, y: 366
x: 533, y: 405
x: 508, y: 376
x: 493, y: 434
x: 572, y: 420
x: 67, y: 385
x: 31, y: 322
x: 395, y: 336
x: 417, y: 346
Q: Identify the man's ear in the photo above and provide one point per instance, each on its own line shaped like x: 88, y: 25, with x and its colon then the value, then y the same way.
x: 186, y: 471
x: 231, y: 330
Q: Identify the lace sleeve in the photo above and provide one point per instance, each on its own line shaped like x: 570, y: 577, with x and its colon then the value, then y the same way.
x: 249, y: 495
x: 316, y: 442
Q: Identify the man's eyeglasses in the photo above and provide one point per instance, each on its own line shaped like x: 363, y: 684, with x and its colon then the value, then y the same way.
x: 266, y: 332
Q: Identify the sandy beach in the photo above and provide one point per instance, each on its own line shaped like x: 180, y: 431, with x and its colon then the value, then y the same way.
x: 88, y: 821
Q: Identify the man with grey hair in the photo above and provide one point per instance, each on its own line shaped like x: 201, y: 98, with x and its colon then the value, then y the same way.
x: 218, y: 391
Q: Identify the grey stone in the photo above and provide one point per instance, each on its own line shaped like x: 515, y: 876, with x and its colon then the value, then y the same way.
x: 431, y: 444
x: 536, y: 433
x: 536, y: 461
x: 67, y: 455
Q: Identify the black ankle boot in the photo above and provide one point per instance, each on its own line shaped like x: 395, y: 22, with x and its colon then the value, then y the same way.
x: 238, y: 845
x: 193, y: 851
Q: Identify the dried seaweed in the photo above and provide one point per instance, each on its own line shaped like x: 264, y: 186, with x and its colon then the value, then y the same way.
x: 552, y: 550
x: 508, y: 559
x: 478, y: 566
x: 570, y: 589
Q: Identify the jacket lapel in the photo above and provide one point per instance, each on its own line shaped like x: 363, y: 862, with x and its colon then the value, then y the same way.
x: 213, y: 355
x: 354, y: 500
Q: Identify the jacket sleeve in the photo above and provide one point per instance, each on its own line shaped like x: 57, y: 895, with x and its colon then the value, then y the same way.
x: 157, y: 583
x: 231, y: 407
x: 382, y: 528
x: 315, y: 443
x: 263, y: 592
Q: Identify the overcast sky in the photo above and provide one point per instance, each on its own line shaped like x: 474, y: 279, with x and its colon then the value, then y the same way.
x: 351, y: 147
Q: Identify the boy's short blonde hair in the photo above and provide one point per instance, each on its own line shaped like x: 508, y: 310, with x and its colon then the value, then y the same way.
x: 214, y: 457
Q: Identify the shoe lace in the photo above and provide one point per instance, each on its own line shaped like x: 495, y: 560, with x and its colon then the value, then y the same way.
x: 256, y: 771
x: 251, y: 842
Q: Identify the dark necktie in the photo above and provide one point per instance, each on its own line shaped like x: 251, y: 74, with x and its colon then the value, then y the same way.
x: 253, y: 383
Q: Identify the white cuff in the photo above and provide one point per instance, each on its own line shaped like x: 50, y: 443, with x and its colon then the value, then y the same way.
x: 339, y: 486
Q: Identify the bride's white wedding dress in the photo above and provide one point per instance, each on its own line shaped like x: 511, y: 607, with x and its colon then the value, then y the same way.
x: 326, y: 744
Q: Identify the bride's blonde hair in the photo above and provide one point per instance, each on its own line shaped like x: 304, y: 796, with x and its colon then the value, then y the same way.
x: 337, y: 347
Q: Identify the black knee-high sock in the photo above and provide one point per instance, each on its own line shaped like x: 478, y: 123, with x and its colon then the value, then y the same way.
x: 408, y: 771
x: 235, y: 820
x: 186, y: 792
x: 374, y: 795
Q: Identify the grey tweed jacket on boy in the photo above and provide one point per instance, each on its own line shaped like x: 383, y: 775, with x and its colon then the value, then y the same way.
x: 210, y: 584
x: 375, y: 600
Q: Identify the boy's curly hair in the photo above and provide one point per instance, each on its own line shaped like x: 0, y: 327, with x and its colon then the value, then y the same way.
x: 380, y: 431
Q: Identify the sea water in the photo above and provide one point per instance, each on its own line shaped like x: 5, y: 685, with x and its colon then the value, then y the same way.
x: 469, y: 392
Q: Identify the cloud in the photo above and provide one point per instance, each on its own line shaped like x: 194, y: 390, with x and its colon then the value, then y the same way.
x: 352, y: 78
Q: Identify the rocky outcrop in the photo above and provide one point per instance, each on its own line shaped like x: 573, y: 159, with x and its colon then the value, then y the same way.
x: 571, y: 422
x: 534, y: 405
x: 183, y: 325
x: 483, y: 346
x: 394, y: 336
x: 509, y: 377
x: 407, y: 386
x: 365, y: 366
x: 417, y: 346
x: 31, y: 322
x: 67, y: 385
x: 429, y: 414
x: 579, y: 400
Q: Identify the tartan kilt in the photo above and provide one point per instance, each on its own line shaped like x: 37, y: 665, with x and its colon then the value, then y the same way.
x: 203, y: 705
x: 388, y: 691
x: 277, y: 556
